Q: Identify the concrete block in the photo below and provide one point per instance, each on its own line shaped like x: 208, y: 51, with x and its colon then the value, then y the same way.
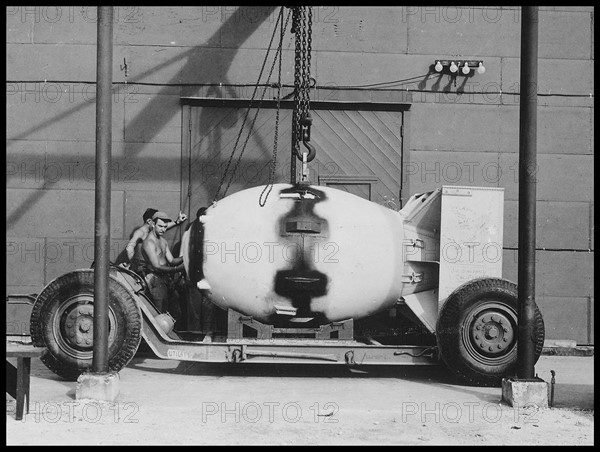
x: 566, y: 318
x: 592, y: 40
x: 176, y: 26
x: 374, y: 29
x: 245, y: 27
x: 52, y: 62
x: 170, y: 65
x: 57, y: 112
x: 510, y: 265
x: 72, y: 165
x: 25, y: 258
x: 565, y: 273
x: 560, y: 130
x: 591, y: 320
x: 525, y: 393
x: 427, y: 170
x: 67, y: 165
x: 380, y: 96
x: 559, y: 225
x: 559, y: 177
x: 451, y: 30
x: 25, y: 162
x: 57, y: 213
x: 508, y: 123
x: 19, y: 20
x: 592, y: 115
x: 77, y: 25
x: 579, y: 79
x: 153, y: 119
x: 98, y: 386
x: 583, y: 9
x: 564, y: 130
x: 349, y: 68
x: 244, y: 67
x: 67, y: 25
x: 558, y: 41
x: 445, y: 126
x: 146, y: 165
x: 585, y: 101
x: 558, y: 273
x: 18, y: 314
x: 592, y: 226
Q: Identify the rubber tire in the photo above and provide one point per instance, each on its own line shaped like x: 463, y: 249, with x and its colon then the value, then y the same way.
x: 457, y: 318
x: 47, y: 322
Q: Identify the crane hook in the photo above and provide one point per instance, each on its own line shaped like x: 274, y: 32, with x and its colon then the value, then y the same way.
x: 305, y: 124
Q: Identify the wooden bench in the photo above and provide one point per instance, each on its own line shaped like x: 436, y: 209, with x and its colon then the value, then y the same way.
x: 17, y: 379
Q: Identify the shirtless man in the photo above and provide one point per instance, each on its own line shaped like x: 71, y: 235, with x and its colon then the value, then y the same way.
x: 134, y: 246
x: 161, y: 265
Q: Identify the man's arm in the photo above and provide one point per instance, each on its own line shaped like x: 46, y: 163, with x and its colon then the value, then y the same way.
x: 180, y: 219
x: 173, y: 260
x: 130, y: 248
x: 150, y: 250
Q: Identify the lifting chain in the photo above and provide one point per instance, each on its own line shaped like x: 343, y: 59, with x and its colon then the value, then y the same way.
x: 297, y: 75
x: 301, y: 117
x: 266, y: 85
x: 267, y: 190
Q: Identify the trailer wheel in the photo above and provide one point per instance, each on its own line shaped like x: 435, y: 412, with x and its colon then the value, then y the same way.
x: 477, y: 331
x: 62, y: 321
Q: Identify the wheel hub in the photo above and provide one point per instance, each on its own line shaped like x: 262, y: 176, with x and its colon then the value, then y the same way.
x: 76, y: 322
x: 492, y: 334
x: 79, y: 326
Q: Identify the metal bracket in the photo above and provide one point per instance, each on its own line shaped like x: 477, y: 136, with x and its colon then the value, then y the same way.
x: 417, y: 243
x: 238, y: 355
x: 349, y: 356
x: 413, y: 278
x: 303, y: 226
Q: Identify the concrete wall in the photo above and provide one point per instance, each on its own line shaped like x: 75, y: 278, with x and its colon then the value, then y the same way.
x: 450, y: 138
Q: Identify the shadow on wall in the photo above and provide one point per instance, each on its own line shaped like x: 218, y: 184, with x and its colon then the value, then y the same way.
x: 156, y: 111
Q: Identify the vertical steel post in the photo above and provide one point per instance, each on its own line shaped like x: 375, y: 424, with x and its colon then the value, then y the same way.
x: 102, y: 200
x: 527, y: 191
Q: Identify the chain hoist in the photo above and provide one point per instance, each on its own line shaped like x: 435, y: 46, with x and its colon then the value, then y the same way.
x: 267, y: 190
x: 302, y: 120
x: 251, y: 128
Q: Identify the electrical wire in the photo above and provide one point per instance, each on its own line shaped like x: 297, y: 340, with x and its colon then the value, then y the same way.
x: 317, y: 87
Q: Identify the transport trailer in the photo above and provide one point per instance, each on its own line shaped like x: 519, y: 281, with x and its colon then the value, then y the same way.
x: 434, y: 267
x: 318, y: 349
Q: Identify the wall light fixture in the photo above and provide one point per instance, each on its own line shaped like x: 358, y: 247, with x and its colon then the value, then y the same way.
x: 467, y: 67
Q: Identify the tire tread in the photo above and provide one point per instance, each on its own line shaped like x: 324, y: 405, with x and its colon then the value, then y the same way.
x: 41, y: 310
x: 448, y: 329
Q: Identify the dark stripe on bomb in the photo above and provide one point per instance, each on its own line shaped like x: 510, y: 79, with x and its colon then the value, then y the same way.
x: 301, y: 283
x: 196, y: 248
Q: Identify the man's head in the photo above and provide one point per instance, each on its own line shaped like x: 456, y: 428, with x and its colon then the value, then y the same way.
x: 201, y: 211
x: 160, y: 221
x: 148, y: 214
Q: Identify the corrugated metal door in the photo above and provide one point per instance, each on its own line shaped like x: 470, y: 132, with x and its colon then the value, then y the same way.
x: 358, y: 150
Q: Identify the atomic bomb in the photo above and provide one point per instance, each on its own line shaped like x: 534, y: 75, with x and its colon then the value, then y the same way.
x: 302, y: 261
x: 310, y: 253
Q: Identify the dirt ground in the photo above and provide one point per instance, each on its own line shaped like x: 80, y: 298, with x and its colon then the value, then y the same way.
x: 173, y: 402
